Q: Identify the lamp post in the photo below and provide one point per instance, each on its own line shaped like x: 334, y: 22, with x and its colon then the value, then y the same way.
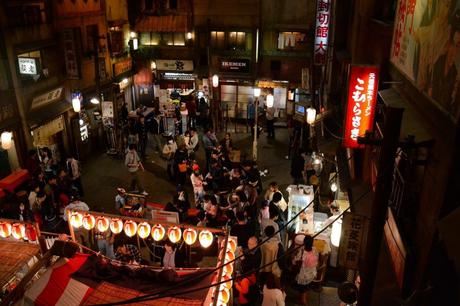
x: 254, y: 143
x: 311, y: 118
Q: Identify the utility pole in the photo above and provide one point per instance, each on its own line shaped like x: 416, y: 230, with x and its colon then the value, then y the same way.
x: 389, y: 145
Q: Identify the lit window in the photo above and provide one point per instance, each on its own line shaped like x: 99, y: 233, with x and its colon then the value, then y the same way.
x: 155, y: 39
x: 237, y: 40
x: 179, y: 39
x: 218, y: 39
x: 296, y: 41
x: 145, y: 39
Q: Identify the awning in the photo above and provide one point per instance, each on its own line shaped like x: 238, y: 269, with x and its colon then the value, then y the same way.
x: 169, y: 23
x: 47, y: 113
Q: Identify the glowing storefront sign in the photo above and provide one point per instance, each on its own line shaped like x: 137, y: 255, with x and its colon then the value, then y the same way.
x: 362, y: 97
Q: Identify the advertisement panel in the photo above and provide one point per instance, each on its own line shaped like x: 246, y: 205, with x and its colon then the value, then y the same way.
x: 362, y: 97
x: 425, y: 48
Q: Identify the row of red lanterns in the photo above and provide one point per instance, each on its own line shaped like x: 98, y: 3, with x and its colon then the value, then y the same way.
x: 18, y: 230
x: 143, y: 229
x: 223, y: 296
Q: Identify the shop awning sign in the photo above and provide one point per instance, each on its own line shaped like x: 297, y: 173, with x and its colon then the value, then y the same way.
x: 237, y: 65
x: 47, y: 98
x: 174, y: 65
x: 27, y: 65
x: 43, y: 133
x: 353, y: 227
x: 122, y: 67
x: 362, y: 97
x: 323, y: 20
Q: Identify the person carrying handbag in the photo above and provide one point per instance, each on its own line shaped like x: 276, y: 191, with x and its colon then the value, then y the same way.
x: 308, y: 269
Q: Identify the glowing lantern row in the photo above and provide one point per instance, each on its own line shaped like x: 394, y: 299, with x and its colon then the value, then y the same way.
x: 158, y: 232
x: 102, y: 224
x: 76, y: 219
x: 89, y: 222
x: 190, y: 236
x: 130, y: 228
x: 224, y: 295
x: 205, y: 238
x: 143, y: 230
x: 116, y: 226
x: 174, y: 234
x: 5, y: 229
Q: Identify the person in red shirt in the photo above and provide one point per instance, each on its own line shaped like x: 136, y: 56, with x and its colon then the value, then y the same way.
x: 244, y: 287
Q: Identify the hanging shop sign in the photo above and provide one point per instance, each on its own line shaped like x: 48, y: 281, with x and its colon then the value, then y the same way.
x: 70, y: 54
x: 353, y: 227
x: 362, y: 97
x: 160, y: 216
x: 43, y: 133
x: 323, y: 18
x: 47, y: 98
x: 122, y: 67
x: 27, y: 65
x: 107, y: 109
x: 236, y: 65
x: 175, y: 65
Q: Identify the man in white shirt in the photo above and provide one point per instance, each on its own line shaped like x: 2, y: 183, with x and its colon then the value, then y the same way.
x: 133, y: 162
x: 193, y: 142
x: 73, y: 168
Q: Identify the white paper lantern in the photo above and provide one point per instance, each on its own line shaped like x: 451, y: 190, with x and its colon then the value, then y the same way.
x: 336, y: 232
x: 76, y: 104
x: 7, y: 140
x: 270, y: 100
x: 256, y: 92
x: 215, y: 80
x: 311, y: 115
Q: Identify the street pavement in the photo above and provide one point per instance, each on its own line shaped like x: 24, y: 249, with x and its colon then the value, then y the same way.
x: 102, y: 174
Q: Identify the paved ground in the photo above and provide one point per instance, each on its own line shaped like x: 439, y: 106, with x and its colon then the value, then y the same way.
x: 102, y: 174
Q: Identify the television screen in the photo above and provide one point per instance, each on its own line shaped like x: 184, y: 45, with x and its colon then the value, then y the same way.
x: 299, y: 109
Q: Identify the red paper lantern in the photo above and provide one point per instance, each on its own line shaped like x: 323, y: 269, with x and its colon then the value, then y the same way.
x: 231, y: 245
x: 76, y: 219
x: 190, y: 236
x: 130, y: 228
x: 143, y: 230
x: 158, y: 232
x: 116, y: 225
x: 31, y: 232
x: 89, y: 222
x: 174, y: 234
x: 102, y: 224
x: 205, y: 238
x: 18, y: 230
x: 224, y: 295
x: 5, y: 229
x: 228, y: 270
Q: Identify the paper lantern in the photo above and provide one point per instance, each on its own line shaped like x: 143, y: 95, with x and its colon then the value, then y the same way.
x: 228, y: 270
x: 143, y: 230
x: 18, y: 230
x: 89, y: 222
x: 224, y: 295
x: 76, y: 104
x: 311, y: 115
x: 334, y: 187
x: 229, y: 256
x: 228, y: 282
x: 116, y: 226
x: 31, y: 232
x: 5, y: 229
x: 336, y: 232
x: 130, y: 228
x: 231, y: 245
x: 158, y: 232
x: 256, y: 92
x: 270, y: 100
x: 206, y: 238
x: 215, y: 80
x: 102, y: 224
x: 174, y: 234
x: 76, y: 219
x: 190, y: 236
x: 7, y: 140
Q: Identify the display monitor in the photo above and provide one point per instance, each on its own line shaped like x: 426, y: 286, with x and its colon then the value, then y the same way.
x: 300, y: 110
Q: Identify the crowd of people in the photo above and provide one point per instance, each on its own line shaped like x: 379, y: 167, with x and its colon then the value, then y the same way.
x: 224, y: 193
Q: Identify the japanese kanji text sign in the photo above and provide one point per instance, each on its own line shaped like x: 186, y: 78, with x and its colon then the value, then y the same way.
x: 362, y: 97
x: 323, y: 17
x: 353, y: 227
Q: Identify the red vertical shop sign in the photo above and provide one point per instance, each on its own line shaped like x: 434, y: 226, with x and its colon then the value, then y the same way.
x: 362, y: 97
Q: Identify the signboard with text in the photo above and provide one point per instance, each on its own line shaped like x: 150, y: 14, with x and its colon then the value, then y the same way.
x: 237, y: 65
x: 353, y: 227
x: 47, y: 98
x: 27, y: 65
x: 396, y: 248
x: 122, y: 67
x: 323, y: 18
x: 362, y: 97
x: 175, y: 65
x: 70, y: 54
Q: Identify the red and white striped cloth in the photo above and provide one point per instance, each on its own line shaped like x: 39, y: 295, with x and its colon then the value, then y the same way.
x: 56, y: 287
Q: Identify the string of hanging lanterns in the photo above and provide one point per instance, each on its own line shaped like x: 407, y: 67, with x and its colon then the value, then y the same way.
x: 224, y: 289
x: 117, y: 224
x: 17, y: 230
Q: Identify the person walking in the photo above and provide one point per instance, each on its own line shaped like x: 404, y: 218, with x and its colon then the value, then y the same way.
x: 307, y: 273
x: 270, y: 117
x: 272, y: 293
x: 156, y: 129
x: 141, y: 130
x: 209, y: 144
x: 74, y: 171
x: 133, y: 162
x: 168, y: 153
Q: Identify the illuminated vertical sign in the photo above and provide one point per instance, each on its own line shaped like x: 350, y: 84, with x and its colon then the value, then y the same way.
x: 323, y: 18
x: 362, y: 97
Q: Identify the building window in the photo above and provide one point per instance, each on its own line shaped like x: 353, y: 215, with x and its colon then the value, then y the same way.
x: 295, y: 41
x: 162, y: 39
x: 26, y: 15
x: 116, y: 42
x: 237, y: 40
x: 218, y: 39
x: 91, y: 30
